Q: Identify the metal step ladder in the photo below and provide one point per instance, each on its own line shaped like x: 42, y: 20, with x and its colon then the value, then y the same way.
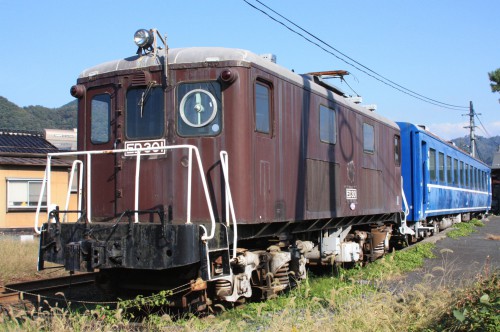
x: 216, y: 255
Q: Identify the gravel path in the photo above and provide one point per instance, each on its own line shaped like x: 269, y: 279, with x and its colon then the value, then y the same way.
x: 460, y: 261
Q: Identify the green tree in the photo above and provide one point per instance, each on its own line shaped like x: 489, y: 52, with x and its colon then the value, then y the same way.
x: 495, y: 79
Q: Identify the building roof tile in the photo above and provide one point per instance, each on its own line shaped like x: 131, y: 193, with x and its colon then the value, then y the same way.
x: 24, y: 142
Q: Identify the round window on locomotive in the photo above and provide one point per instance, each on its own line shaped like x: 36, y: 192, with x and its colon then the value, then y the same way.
x: 198, y: 108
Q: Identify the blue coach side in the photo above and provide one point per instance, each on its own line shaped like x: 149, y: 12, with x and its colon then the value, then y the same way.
x: 440, y: 181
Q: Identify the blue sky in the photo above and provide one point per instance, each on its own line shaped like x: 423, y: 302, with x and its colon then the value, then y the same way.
x: 440, y: 49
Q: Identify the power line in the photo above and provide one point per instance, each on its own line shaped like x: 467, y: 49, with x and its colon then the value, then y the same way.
x: 482, y: 126
x: 382, y: 79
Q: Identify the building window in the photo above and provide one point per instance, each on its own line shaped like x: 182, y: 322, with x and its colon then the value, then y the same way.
x: 262, y: 108
x: 74, y: 184
x: 327, y: 125
x: 432, y: 164
x: 368, y: 138
x: 99, y: 119
x: 397, y: 150
x: 24, y: 194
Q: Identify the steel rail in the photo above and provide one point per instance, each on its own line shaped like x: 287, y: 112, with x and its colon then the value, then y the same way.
x: 12, y: 293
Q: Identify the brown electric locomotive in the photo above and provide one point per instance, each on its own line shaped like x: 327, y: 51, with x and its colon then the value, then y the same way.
x: 219, y: 169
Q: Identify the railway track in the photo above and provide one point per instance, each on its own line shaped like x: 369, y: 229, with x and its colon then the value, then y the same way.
x: 16, y: 292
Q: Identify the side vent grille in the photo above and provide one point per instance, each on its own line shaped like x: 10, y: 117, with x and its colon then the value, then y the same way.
x: 141, y: 78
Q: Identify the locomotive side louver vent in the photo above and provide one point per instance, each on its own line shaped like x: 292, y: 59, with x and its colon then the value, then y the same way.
x: 141, y: 78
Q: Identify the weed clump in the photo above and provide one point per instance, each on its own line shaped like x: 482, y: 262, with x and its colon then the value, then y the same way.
x: 475, y: 309
x: 464, y: 228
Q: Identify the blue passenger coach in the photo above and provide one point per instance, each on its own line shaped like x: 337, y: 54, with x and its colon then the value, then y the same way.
x: 441, y: 182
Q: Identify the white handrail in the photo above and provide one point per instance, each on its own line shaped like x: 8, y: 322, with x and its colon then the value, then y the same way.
x: 190, y: 169
x: 404, y: 229
x: 229, y: 199
x: 40, y: 198
x: 407, y: 208
x: 136, y: 188
x: 70, y: 184
x: 47, y: 180
x: 89, y: 187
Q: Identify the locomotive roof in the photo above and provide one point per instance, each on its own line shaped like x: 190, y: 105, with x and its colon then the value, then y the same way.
x: 221, y: 54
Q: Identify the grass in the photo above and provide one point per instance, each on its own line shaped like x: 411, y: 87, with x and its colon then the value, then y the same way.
x: 19, y: 261
x: 464, y: 228
x: 356, y: 299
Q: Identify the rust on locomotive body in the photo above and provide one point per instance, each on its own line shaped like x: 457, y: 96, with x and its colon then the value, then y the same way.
x: 281, y: 172
x: 303, y: 162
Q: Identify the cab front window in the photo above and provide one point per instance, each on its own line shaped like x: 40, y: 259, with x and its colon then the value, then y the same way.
x: 199, y: 109
x: 99, y: 119
x: 144, y: 113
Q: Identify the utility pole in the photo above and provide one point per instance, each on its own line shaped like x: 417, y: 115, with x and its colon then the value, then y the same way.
x: 472, y: 127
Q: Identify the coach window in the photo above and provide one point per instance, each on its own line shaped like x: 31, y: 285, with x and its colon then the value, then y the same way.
x: 432, y: 164
x: 476, y: 178
x: 262, y: 108
x: 449, y: 179
x: 479, y: 179
x: 471, y: 177
x: 144, y: 113
x: 441, y: 167
x: 462, y: 171
x: 99, y: 119
x: 455, y: 172
x: 397, y: 150
x: 467, y: 183
x: 327, y: 125
x: 368, y: 138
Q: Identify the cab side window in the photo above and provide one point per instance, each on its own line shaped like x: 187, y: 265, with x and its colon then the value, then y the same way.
x: 368, y: 138
x: 262, y: 107
x: 397, y: 150
x: 327, y: 125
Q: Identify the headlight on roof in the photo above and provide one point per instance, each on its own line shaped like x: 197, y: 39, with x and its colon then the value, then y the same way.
x: 143, y: 38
